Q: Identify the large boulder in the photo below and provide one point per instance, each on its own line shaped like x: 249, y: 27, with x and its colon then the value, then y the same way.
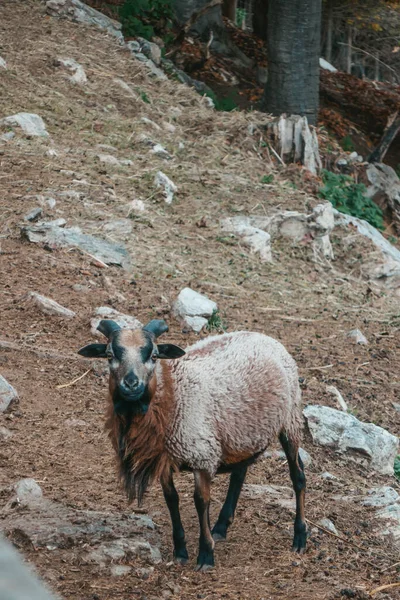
x: 81, y: 12
x: 365, y: 443
x: 30, y: 123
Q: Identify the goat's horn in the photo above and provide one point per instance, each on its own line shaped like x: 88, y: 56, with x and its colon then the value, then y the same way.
x: 107, y: 327
x: 157, y: 327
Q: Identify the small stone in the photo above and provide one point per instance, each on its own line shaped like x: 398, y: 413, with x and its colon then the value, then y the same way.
x: 258, y: 240
x: 161, y: 180
x: 34, y: 214
x: 49, y: 306
x: 78, y: 73
x: 328, y: 476
x: 120, y: 570
x: 197, y: 324
x: 144, y: 573
x: 357, y: 337
x: 396, y: 406
x: 7, y: 137
x: 51, y: 152
x: 5, y: 434
x: 150, y: 50
x: 3, y: 64
x: 152, y: 124
x: 305, y: 457
x: 327, y: 524
x: 133, y: 46
x: 29, y: 493
x: 30, y: 123
x: 108, y: 159
x: 137, y: 206
x: 191, y: 303
x: 381, y: 496
x: 160, y: 151
x: 106, y: 312
x: 7, y: 394
x: 169, y: 127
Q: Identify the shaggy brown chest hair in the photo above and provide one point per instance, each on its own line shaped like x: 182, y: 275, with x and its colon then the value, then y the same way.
x: 140, y: 440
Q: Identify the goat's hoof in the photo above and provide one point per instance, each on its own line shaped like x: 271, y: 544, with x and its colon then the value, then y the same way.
x: 181, y: 558
x: 300, y: 540
x: 218, y: 537
x: 204, y: 568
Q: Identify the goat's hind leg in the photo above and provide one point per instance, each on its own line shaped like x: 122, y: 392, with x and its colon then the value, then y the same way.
x: 205, y: 558
x: 227, y: 513
x: 298, y: 478
x: 178, y: 533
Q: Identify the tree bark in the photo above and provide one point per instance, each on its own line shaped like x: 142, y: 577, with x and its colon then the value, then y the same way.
x: 229, y: 9
x: 294, y: 30
x: 260, y: 18
x: 329, y: 33
x: 349, y: 50
x: 392, y: 129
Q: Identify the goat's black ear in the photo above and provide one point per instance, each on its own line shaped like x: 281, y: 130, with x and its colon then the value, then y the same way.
x: 106, y: 327
x: 94, y: 351
x: 169, y: 351
x: 157, y: 327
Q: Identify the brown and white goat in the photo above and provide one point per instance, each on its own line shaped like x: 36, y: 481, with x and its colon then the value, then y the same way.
x: 215, y: 410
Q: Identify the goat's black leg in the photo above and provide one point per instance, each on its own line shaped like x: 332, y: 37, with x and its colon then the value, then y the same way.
x: 178, y: 533
x: 205, y: 559
x: 227, y: 513
x: 298, y: 478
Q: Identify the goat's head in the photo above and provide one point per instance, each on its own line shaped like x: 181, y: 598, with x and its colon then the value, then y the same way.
x: 132, y: 355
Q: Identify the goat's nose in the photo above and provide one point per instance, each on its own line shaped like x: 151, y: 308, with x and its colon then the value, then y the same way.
x: 131, y: 381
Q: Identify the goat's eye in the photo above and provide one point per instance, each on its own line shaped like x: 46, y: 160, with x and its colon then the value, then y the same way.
x: 110, y: 355
x: 154, y: 357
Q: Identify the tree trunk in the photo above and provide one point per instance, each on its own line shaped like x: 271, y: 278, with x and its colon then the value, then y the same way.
x: 329, y: 33
x: 260, y: 18
x: 210, y: 20
x: 293, y: 36
x: 391, y: 130
x: 349, y: 50
x: 229, y: 9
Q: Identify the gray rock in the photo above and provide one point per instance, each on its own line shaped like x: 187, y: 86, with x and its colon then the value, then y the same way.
x: 257, y: 240
x: 78, y: 11
x: 328, y: 476
x: 327, y: 524
x: 391, y: 514
x: 152, y: 124
x: 78, y: 73
x: 34, y: 214
x: 196, y: 324
x: 7, y: 137
x: 3, y: 64
x: 192, y: 304
x: 122, y: 84
x: 357, y: 337
x: 120, y: 570
x: 106, y: 312
x: 365, y: 443
x: 150, y: 50
x: 120, y: 228
x: 133, y: 46
x: 54, y: 234
x: 5, y: 434
x: 7, y: 394
x: 396, y: 406
x: 169, y: 188
x: 121, y: 548
x: 30, y: 123
x: 381, y: 496
x: 49, y: 306
x: 160, y: 151
x: 29, y: 493
x: 282, y: 495
x: 305, y: 457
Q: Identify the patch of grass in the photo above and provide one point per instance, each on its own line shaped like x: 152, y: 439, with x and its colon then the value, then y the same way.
x: 215, y: 322
x: 347, y: 144
x: 350, y: 198
x: 145, y: 18
x: 227, y: 104
x: 144, y: 96
x: 397, y: 467
x: 228, y: 240
x: 267, y: 178
x: 241, y: 14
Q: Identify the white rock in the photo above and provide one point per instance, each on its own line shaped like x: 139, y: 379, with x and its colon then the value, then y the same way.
x: 328, y: 476
x: 160, y: 151
x: 324, y: 64
x: 192, y: 304
x: 7, y: 394
x: 81, y: 12
x: 152, y: 124
x: 195, y: 323
x: 29, y: 493
x: 327, y: 524
x: 30, y: 123
x: 282, y: 495
x: 357, y: 337
x: 161, y: 180
x: 305, y: 457
x: 257, y: 240
x: 391, y: 514
x: 5, y: 434
x: 118, y: 549
x: 108, y: 159
x: 122, y: 84
x: 46, y: 201
x: 364, y: 443
x: 3, y: 64
x: 51, y: 152
x: 120, y: 570
x: 49, y: 306
x: 137, y: 206
x: 169, y: 127
x: 78, y: 73
x: 106, y: 312
x: 7, y: 137
x: 381, y: 496
x: 150, y: 50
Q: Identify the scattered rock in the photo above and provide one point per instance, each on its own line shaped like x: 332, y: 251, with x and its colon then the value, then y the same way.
x: 122, y: 84
x: 396, y: 406
x: 355, y: 157
x: 161, y: 180
x: 50, y: 307
x: 159, y: 150
x: 196, y: 324
x: 282, y: 495
x: 137, y: 206
x: 7, y: 394
x: 30, y: 123
x: 169, y: 127
x: 120, y: 570
x: 257, y: 240
x: 3, y: 64
x: 391, y: 514
x: 78, y: 73
x: 384, y: 188
x: 148, y: 121
x: 121, y: 548
x: 55, y: 235
x: 365, y: 443
x: 305, y: 457
x: 46, y: 201
x: 5, y: 434
x: 341, y: 401
x: 106, y: 312
x: 28, y: 493
x: 327, y: 524
x: 34, y: 214
x: 121, y: 228
x: 328, y: 476
x: 7, y: 137
x: 51, y: 152
x: 78, y: 11
x: 108, y: 159
x: 381, y: 496
x: 150, y: 50
x: 357, y: 337
x: 192, y: 304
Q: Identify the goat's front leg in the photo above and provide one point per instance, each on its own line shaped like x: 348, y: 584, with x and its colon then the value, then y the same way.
x: 178, y: 533
x: 205, y: 559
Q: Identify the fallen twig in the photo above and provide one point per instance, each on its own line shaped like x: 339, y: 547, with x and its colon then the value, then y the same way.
x: 384, y: 587
x: 319, y: 368
x: 64, y: 385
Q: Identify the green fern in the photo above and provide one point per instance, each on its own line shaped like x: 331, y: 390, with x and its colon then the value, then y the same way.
x: 145, y: 18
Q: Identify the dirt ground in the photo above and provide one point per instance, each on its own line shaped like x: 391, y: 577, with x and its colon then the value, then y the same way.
x: 308, y: 305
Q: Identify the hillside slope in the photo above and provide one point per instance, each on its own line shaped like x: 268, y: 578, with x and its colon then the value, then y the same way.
x: 217, y: 161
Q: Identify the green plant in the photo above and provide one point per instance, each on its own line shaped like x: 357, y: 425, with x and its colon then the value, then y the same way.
x: 349, y: 198
x: 267, y: 178
x: 222, y: 104
x: 215, y: 322
x: 142, y: 18
x: 241, y: 14
x: 397, y: 466
x: 347, y: 144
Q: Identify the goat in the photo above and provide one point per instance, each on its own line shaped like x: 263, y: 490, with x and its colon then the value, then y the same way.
x: 215, y: 410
